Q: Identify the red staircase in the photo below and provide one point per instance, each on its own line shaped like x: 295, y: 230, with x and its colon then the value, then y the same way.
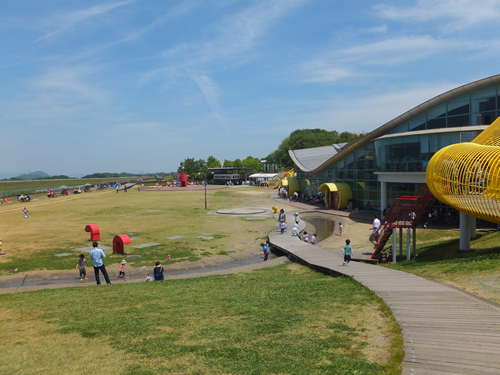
x: 399, y: 215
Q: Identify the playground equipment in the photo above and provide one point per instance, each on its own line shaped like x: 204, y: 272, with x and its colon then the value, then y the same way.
x: 275, y: 209
x: 95, y: 234
x: 119, y: 242
x: 466, y: 176
x: 274, y: 182
x: 405, y: 212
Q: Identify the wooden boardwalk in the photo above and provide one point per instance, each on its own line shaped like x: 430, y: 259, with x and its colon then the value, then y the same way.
x: 445, y: 331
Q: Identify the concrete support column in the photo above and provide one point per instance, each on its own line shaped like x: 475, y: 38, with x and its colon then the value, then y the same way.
x: 408, y: 249
x: 464, y: 232
x: 383, y: 196
x: 472, y: 227
x: 400, y: 242
x: 414, y: 252
x: 394, y: 244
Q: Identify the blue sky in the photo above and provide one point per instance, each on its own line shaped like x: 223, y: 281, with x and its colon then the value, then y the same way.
x: 140, y: 85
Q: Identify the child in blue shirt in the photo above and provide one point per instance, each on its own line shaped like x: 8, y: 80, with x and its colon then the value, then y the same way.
x: 347, y: 251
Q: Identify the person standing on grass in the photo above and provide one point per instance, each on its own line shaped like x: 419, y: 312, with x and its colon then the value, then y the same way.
x: 97, y: 255
x: 158, y: 272
x: 26, y: 213
x: 375, y: 228
x: 347, y: 252
x: 265, y: 249
x: 81, y: 265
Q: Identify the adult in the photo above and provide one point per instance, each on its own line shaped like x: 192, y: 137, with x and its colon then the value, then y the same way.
x: 295, y: 230
x: 282, y: 216
x: 375, y: 231
x: 97, y: 255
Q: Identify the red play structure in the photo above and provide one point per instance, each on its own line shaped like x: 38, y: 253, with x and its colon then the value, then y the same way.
x: 119, y: 241
x: 95, y: 235
x: 183, y: 179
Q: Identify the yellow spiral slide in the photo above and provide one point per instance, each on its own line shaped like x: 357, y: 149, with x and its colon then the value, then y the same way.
x: 466, y: 176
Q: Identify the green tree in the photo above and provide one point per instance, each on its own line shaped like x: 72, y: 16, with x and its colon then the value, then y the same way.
x: 213, y: 162
x: 306, y: 138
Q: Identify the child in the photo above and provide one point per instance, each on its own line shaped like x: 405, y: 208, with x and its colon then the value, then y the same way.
x: 306, y: 237
x: 295, y: 230
x: 82, y: 263
x: 283, y: 226
x: 313, y: 239
x: 122, y: 268
x: 26, y: 213
x: 347, y: 251
x: 158, y: 272
x: 341, y: 229
x: 265, y: 249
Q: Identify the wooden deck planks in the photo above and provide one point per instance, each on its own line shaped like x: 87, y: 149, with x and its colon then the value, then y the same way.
x: 444, y: 330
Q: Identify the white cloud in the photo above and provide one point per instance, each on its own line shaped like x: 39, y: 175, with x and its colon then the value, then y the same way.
x: 374, y: 30
x: 458, y: 14
x: 233, y: 36
x: 211, y: 94
x: 61, y: 96
x: 66, y: 21
x: 349, y: 62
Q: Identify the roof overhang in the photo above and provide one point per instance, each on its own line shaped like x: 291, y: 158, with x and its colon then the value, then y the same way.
x: 381, y: 131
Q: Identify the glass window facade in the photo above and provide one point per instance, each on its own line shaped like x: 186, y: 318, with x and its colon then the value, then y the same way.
x: 478, y: 108
x: 411, y: 153
x: 357, y: 170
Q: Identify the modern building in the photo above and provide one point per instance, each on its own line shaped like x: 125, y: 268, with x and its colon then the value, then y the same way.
x: 391, y: 161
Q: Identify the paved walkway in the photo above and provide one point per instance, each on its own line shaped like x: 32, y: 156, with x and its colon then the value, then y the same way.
x: 445, y: 330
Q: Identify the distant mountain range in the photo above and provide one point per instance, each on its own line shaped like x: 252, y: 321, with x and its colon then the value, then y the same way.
x: 33, y: 175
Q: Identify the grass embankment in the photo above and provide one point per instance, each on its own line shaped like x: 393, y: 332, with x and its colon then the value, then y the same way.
x: 477, y: 271
x: 57, y: 226
x: 282, y: 320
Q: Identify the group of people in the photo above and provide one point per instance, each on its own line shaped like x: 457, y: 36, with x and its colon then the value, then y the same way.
x: 97, y: 256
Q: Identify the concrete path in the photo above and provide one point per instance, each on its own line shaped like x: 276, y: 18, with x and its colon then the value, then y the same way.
x: 445, y: 330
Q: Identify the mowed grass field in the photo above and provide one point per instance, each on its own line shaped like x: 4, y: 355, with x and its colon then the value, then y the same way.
x: 57, y: 225
x: 280, y: 320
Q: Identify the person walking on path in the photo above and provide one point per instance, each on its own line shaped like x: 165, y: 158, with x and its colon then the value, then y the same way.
x: 122, y: 269
x: 341, y: 229
x: 158, y: 272
x: 296, y: 217
x: 81, y: 266
x: 347, y: 252
x: 97, y: 255
x: 266, y: 250
x: 26, y: 213
x: 283, y: 226
x: 375, y: 228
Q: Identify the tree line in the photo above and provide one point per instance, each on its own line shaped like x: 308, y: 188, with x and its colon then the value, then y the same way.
x: 298, y: 139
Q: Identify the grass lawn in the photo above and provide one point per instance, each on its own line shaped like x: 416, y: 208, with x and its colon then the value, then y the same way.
x: 477, y: 271
x: 281, y: 320
x: 57, y: 226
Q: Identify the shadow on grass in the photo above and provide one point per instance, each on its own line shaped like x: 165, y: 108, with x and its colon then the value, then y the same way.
x: 484, y: 255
